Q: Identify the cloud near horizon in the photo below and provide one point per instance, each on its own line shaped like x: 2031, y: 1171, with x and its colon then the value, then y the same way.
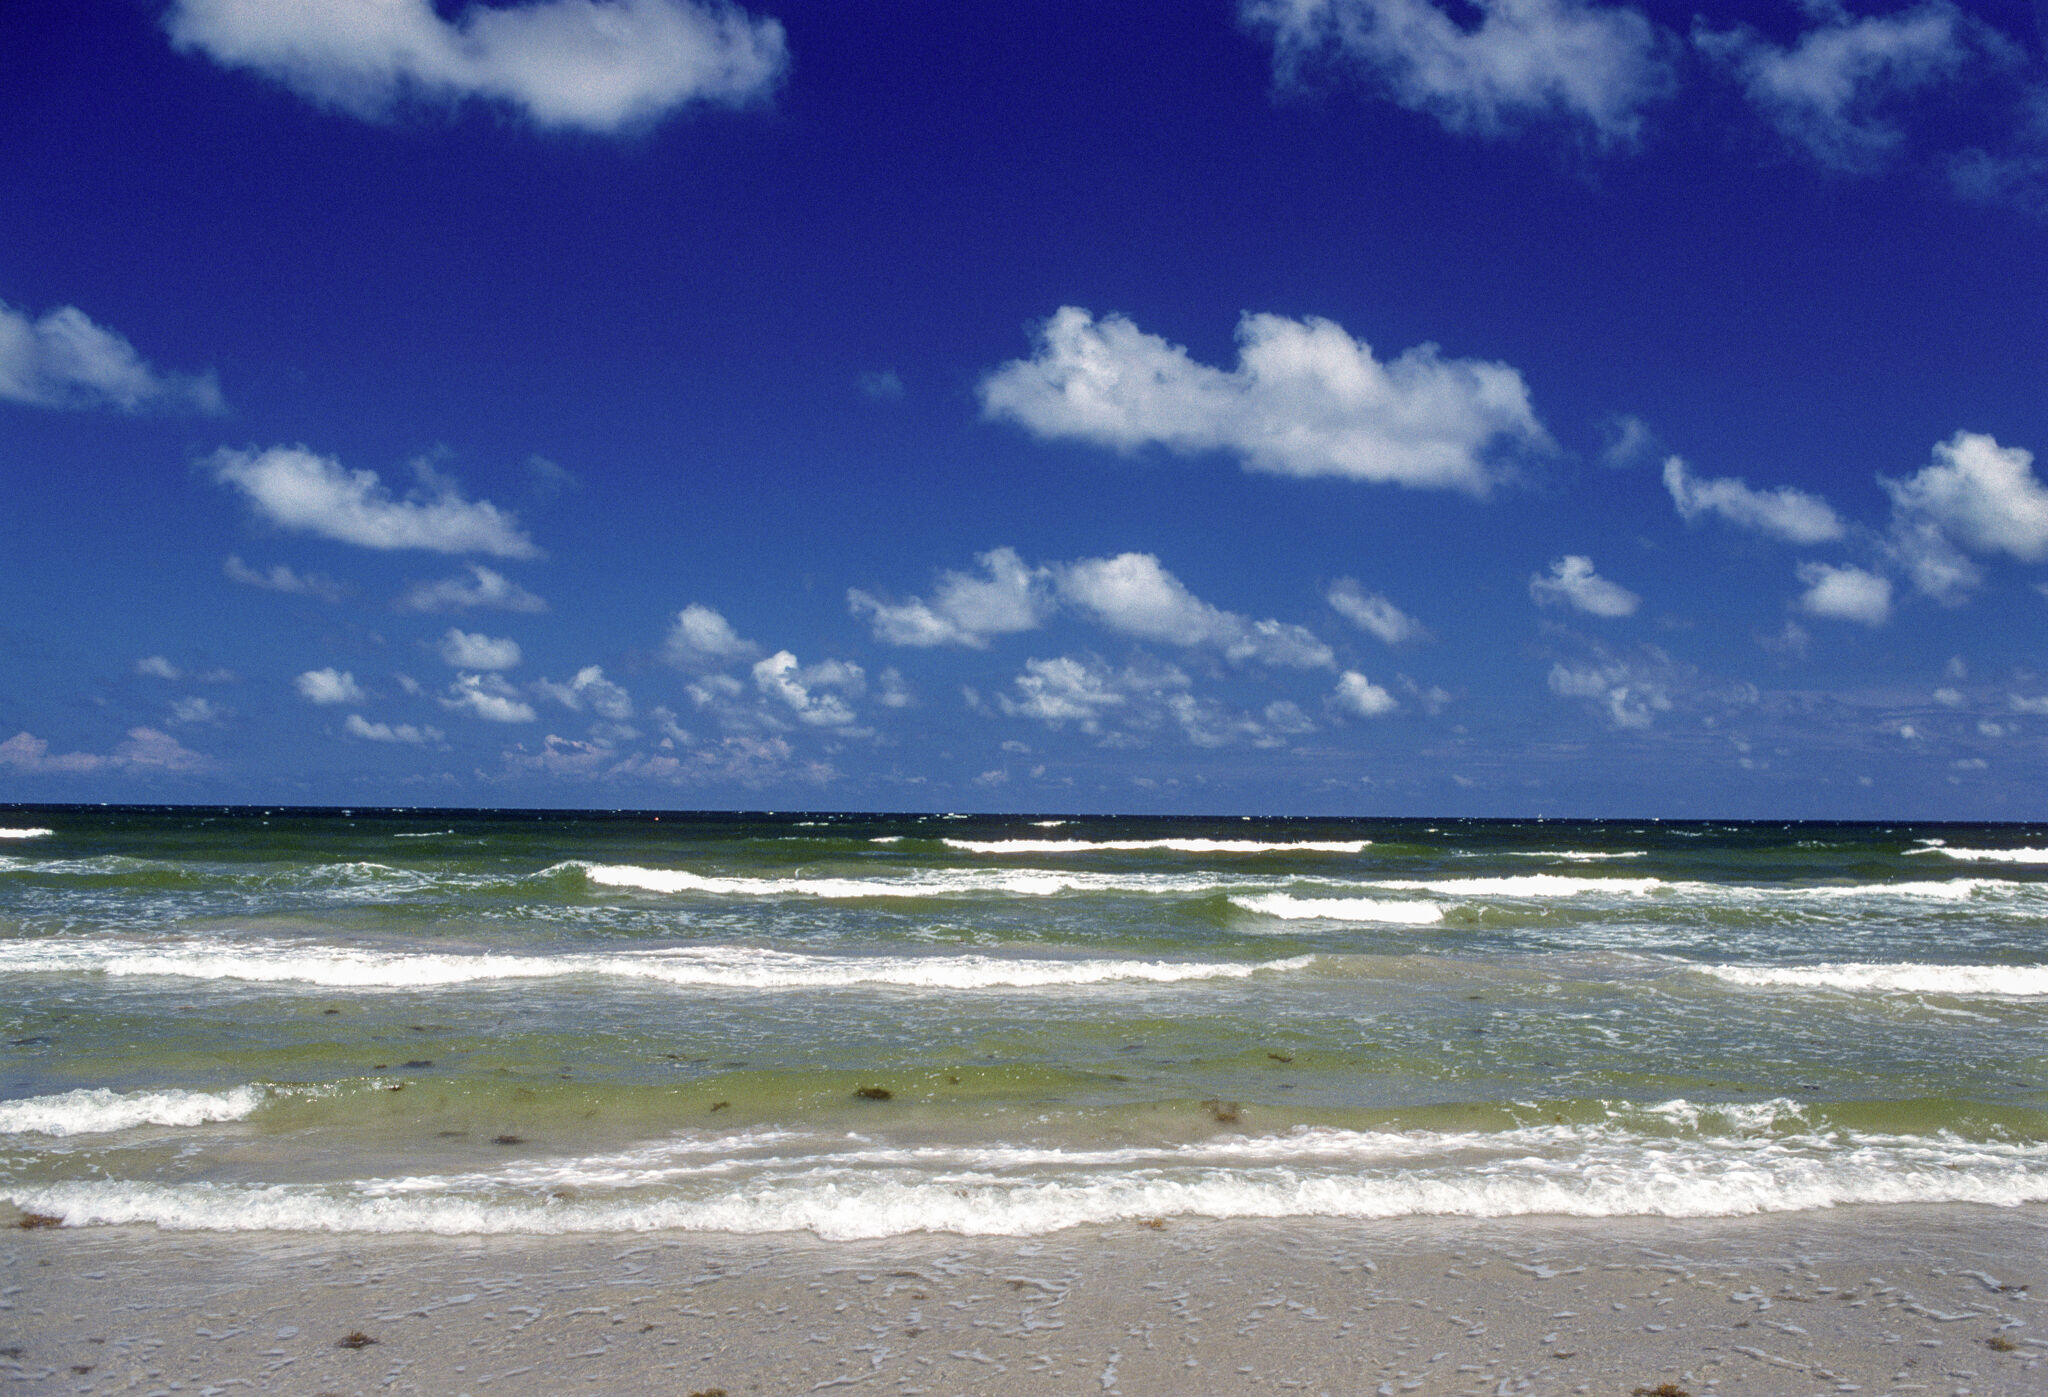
x: 146, y: 751
x: 1305, y: 400
x: 64, y: 360
x: 594, y: 65
x: 295, y: 489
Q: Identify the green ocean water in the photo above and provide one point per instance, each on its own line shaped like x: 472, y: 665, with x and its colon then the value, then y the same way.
x: 863, y: 1025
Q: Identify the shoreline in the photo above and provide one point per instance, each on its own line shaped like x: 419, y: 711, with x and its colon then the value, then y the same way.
x: 1908, y: 1299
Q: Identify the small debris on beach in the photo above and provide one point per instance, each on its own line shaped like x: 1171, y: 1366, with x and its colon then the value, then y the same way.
x: 508, y: 1139
x: 1998, y: 1343
x: 875, y: 1094
x: 355, y: 1338
x: 1153, y: 1224
x: 29, y: 1222
x: 1662, y: 1389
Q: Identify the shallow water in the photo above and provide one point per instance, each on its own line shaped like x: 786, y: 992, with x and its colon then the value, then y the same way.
x: 872, y: 1025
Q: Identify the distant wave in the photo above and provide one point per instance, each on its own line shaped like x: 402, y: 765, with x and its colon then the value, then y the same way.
x: 841, y: 1188
x: 94, y: 1110
x: 1180, y: 846
x: 702, y: 967
x: 1526, y: 885
x: 924, y: 883
x: 1567, y: 855
x: 1340, y: 909
x: 34, y: 833
x: 1903, y: 977
x: 1986, y: 855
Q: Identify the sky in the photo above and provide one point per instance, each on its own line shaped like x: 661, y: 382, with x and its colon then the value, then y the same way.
x: 1336, y: 407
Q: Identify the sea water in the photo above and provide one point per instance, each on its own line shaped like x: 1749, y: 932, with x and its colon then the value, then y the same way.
x: 870, y: 1025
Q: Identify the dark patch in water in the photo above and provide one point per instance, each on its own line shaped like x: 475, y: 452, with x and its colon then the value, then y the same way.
x: 720, y: 1105
x: 1222, y: 1112
x: 37, y: 1041
x: 419, y: 1062
x: 508, y: 1139
x: 450, y: 1134
x: 31, y: 1221
x: 1281, y: 1057
x: 874, y: 1094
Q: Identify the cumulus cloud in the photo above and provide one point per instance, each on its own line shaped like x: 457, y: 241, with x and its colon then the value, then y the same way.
x: 1572, y: 582
x: 64, y: 360
x: 404, y: 733
x: 593, y: 65
x: 1784, y: 513
x: 147, y: 751
x: 589, y: 689
x: 329, y: 685
x: 1629, y: 692
x: 295, y: 489
x: 1133, y: 595
x: 484, y: 587
x: 1304, y: 400
x: 1360, y: 697
x: 965, y: 609
x: 197, y: 710
x: 157, y: 667
x: 1825, y: 92
x: 804, y: 690
x: 282, y: 579
x: 1370, y: 611
x: 1595, y: 65
x: 703, y: 639
x: 466, y: 650
x: 1845, y: 593
x: 1977, y: 496
x: 489, y: 697
x: 1082, y: 689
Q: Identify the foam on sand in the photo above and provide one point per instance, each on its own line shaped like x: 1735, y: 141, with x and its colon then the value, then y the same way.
x: 1340, y: 909
x: 95, y: 1110
x: 849, y: 1188
x: 693, y: 967
x: 1901, y: 977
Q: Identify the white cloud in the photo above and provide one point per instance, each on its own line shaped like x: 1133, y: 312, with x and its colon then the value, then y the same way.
x: 489, y: 697
x: 1572, y: 582
x: 589, y: 689
x: 295, y: 489
x: 1083, y: 690
x: 1360, y: 697
x: 965, y: 609
x: 329, y: 686
x: 703, y: 639
x: 882, y: 385
x: 1628, y: 695
x: 467, y: 650
x: 197, y: 710
x: 779, y: 677
x: 1305, y: 400
x: 63, y: 360
x: 1845, y: 593
x: 893, y: 691
x: 157, y: 667
x: 1783, y: 513
x: 406, y: 733
x: 1978, y: 496
x: 1371, y: 611
x: 147, y: 751
x: 2036, y: 706
x: 1824, y: 91
x: 1593, y: 64
x: 595, y: 65
x: 282, y: 579
x: 484, y: 587
x: 1133, y: 595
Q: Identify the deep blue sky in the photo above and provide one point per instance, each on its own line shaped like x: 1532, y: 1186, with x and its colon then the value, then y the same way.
x: 718, y: 340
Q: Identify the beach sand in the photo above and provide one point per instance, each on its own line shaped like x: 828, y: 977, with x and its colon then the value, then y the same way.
x: 1909, y: 1300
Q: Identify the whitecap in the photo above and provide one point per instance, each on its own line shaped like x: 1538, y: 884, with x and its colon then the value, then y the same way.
x: 92, y: 1110
x: 36, y: 832
x: 1340, y: 909
x: 1901, y: 977
x: 1179, y: 846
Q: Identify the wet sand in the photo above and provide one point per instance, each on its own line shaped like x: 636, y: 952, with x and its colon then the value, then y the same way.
x: 1902, y: 1300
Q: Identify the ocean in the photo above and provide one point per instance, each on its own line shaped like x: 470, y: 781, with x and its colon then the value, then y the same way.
x: 869, y: 1026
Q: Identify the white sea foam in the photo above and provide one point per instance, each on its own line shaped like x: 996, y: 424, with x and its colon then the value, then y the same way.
x: 852, y: 1188
x: 1179, y: 846
x: 1528, y: 885
x: 1986, y: 855
x: 36, y: 833
x: 1569, y: 855
x: 1903, y: 977
x: 92, y: 1110
x: 925, y: 883
x: 699, y: 967
x: 1340, y: 909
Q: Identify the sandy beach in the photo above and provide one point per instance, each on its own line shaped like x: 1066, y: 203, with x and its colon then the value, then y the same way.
x: 1905, y: 1300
